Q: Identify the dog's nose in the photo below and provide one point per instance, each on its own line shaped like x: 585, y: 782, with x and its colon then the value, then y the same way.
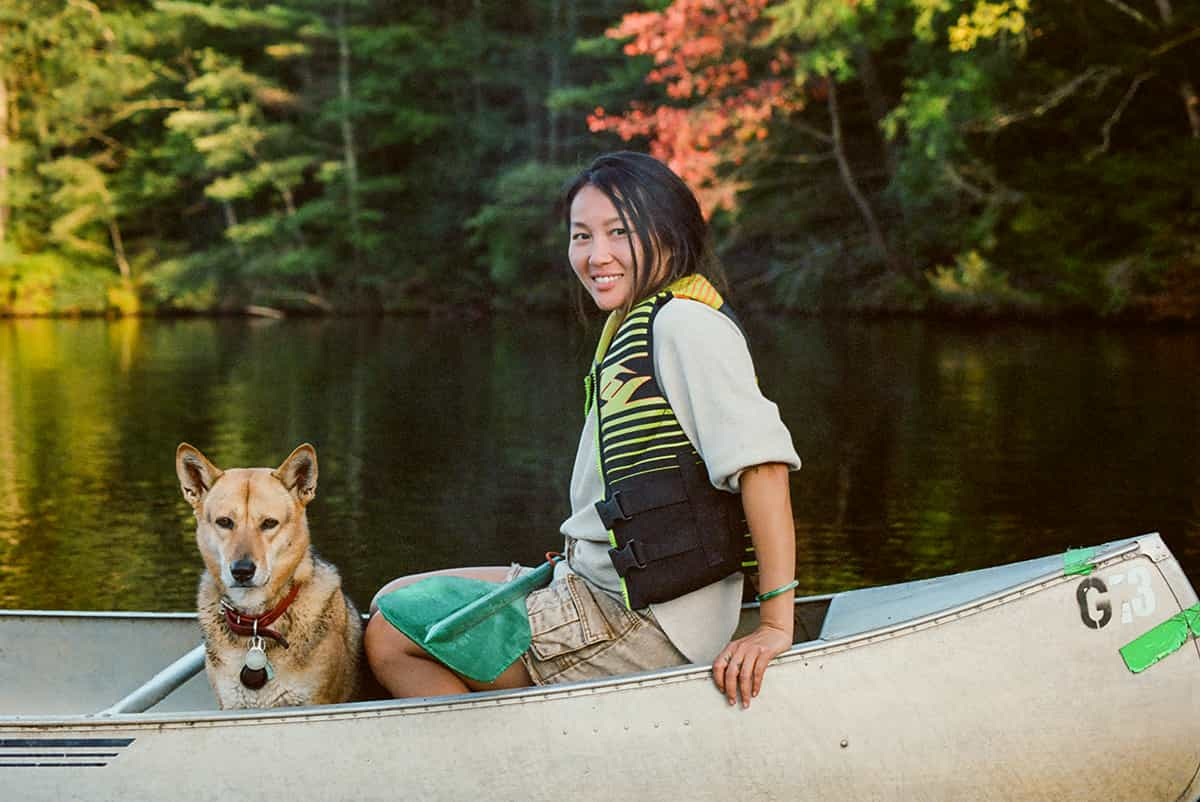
x: 242, y: 570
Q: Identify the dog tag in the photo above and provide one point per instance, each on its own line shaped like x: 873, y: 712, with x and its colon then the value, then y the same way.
x: 256, y: 657
x: 257, y: 670
x: 253, y: 678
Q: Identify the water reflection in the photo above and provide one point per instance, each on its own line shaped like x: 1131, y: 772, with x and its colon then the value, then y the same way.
x: 927, y: 449
x: 933, y: 449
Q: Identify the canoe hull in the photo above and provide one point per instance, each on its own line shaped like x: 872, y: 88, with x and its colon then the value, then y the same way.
x: 1015, y: 697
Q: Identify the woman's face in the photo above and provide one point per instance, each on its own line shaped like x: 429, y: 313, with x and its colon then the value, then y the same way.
x: 601, y: 249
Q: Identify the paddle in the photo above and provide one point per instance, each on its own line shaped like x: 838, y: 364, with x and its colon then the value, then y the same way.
x: 477, y: 628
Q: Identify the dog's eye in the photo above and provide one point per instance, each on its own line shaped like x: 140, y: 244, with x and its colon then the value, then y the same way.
x: 270, y: 523
x: 225, y: 523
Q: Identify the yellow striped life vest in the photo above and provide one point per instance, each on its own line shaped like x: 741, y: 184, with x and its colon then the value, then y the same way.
x: 670, y: 530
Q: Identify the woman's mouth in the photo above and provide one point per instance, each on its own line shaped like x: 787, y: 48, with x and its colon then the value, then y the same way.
x: 607, y: 280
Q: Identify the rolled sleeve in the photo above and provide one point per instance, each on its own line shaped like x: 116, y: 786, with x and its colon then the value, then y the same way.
x: 704, y: 368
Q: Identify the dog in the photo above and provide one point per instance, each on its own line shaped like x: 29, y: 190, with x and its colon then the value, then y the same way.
x: 278, y: 630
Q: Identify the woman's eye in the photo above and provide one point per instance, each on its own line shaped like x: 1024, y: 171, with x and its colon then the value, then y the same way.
x: 270, y: 523
x: 225, y: 523
x: 618, y: 232
x: 578, y: 236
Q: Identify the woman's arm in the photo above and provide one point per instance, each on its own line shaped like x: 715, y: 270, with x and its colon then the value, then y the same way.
x: 767, y: 501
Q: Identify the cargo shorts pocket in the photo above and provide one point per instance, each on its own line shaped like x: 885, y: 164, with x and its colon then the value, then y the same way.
x: 566, y: 617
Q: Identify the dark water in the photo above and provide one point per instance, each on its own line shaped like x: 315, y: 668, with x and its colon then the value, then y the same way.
x: 928, y: 449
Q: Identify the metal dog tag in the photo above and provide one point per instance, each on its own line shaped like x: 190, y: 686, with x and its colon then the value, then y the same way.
x: 256, y: 668
x: 256, y: 655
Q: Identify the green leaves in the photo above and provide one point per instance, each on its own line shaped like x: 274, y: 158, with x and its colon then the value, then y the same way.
x: 225, y: 17
x: 872, y: 153
x: 523, y: 240
x: 83, y: 199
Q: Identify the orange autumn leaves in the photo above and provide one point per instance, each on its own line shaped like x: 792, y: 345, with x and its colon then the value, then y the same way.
x: 726, y: 81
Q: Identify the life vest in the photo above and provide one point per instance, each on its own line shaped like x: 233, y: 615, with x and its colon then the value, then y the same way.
x: 670, y: 530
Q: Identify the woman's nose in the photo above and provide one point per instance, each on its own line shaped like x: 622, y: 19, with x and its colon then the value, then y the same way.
x: 600, y: 253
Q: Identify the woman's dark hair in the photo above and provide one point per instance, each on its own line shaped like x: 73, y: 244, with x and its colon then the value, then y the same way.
x: 658, y: 207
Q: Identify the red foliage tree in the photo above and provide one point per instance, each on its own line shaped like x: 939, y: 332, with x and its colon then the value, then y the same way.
x: 723, y: 81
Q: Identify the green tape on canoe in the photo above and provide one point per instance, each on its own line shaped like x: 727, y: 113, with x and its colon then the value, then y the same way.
x: 1166, y: 638
x: 1078, y: 562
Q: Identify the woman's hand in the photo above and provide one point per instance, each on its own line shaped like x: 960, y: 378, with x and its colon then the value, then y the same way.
x: 740, y: 666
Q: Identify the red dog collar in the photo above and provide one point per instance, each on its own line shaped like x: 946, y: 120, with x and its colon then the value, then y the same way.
x: 253, y: 625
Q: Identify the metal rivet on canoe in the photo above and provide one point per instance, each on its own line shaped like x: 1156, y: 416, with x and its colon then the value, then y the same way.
x: 845, y: 743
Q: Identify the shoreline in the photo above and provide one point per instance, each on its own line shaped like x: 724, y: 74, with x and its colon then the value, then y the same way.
x: 941, y: 316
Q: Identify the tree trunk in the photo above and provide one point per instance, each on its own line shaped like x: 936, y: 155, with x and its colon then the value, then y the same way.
x: 878, y: 105
x: 1191, y: 103
x: 533, y: 108
x: 119, y: 250
x: 289, y: 204
x: 231, y: 221
x: 860, y: 200
x: 289, y: 200
x: 348, y: 155
x: 1187, y: 89
x: 556, y: 70
x: 477, y: 74
x: 5, y: 211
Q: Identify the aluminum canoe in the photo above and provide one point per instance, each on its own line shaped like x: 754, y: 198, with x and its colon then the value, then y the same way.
x: 1005, y: 683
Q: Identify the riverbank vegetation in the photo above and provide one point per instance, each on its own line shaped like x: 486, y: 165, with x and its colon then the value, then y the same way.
x: 968, y: 157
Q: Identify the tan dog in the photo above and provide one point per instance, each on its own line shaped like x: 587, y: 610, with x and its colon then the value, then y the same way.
x: 278, y: 630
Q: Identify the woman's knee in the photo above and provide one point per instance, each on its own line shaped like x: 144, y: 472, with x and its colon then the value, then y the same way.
x: 384, y: 643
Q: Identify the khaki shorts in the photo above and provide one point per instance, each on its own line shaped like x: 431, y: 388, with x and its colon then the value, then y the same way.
x: 581, y: 632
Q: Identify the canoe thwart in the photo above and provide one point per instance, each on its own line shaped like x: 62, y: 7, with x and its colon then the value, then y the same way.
x: 161, y: 685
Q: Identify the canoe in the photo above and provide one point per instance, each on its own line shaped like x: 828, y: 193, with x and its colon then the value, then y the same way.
x: 1060, y: 678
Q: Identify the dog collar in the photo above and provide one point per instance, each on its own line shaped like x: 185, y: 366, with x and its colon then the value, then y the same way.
x: 255, y: 625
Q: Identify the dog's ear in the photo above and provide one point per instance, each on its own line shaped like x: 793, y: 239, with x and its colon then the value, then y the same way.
x: 299, y: 473
x: 196, y: 474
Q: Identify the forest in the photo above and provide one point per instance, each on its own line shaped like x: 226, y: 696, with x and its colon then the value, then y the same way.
x: 1018, y: 158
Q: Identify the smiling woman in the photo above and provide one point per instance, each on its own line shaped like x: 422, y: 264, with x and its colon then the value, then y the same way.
x: 602, y: 250
x: 680, y: 484
x: 634, y: 226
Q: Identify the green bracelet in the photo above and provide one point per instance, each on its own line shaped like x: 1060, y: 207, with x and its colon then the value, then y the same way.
x: 770, y: 594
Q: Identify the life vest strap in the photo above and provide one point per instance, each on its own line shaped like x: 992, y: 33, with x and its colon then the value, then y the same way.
x: 657, y: 490
x: 636, y: 555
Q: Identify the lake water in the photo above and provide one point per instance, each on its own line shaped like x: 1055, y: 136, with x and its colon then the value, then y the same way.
x: 928, y: 449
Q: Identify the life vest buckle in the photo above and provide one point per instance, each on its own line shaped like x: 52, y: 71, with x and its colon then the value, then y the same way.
x: 628, y: 557
x: 611, y: 510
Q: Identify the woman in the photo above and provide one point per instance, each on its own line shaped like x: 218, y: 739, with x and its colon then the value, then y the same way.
x: 679, y: 457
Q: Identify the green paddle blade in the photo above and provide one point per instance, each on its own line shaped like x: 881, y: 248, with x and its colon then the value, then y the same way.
x: 476, y: 628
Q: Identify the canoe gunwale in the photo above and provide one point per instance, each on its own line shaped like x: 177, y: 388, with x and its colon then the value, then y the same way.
x: 114, y: 614
x: 1146, y: 545
x: 1100, y: 560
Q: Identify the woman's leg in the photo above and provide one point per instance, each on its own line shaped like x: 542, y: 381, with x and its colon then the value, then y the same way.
x: 407, y: 670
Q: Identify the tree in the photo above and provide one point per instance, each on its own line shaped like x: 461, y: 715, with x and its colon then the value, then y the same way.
x: 722, y: 89
x: 70, y: 86
x: 925, y: 111
x: 728, y: 77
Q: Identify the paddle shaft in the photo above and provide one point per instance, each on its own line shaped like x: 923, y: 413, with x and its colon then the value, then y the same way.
x: 470, y: 615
